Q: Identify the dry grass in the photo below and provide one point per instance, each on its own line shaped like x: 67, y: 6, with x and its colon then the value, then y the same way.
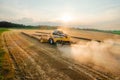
x: 6, y: 68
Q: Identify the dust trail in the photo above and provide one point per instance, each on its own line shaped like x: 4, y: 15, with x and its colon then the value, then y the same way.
x: 104, y: 55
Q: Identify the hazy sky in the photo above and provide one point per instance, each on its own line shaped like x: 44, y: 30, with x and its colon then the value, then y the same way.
x: 101, y: 14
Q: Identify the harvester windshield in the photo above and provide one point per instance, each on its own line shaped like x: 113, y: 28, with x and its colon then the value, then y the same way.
x: 57, y: 32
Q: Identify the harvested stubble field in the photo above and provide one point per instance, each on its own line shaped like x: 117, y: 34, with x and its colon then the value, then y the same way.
x: 86, y: 60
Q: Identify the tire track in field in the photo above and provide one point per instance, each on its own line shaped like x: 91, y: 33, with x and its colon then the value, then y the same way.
x: 26, y: 72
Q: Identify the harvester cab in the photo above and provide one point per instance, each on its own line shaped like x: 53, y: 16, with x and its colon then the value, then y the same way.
x: 59, y: 36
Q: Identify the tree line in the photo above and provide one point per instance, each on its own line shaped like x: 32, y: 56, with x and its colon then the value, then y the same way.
x: 5, y: 24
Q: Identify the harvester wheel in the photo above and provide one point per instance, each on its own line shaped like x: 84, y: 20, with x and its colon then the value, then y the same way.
x: 51, y: 41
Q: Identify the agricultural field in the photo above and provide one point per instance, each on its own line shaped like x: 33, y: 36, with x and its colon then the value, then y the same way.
x: 6, y: 68
x: 96, y: 58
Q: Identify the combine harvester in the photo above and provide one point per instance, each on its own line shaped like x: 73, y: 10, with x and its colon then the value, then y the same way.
x: 56, y: 36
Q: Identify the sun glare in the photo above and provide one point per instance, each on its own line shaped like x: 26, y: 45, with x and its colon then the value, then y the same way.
x: 66, y: 18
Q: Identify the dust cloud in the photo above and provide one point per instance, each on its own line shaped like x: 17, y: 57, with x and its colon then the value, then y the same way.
x: 102, y: 55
